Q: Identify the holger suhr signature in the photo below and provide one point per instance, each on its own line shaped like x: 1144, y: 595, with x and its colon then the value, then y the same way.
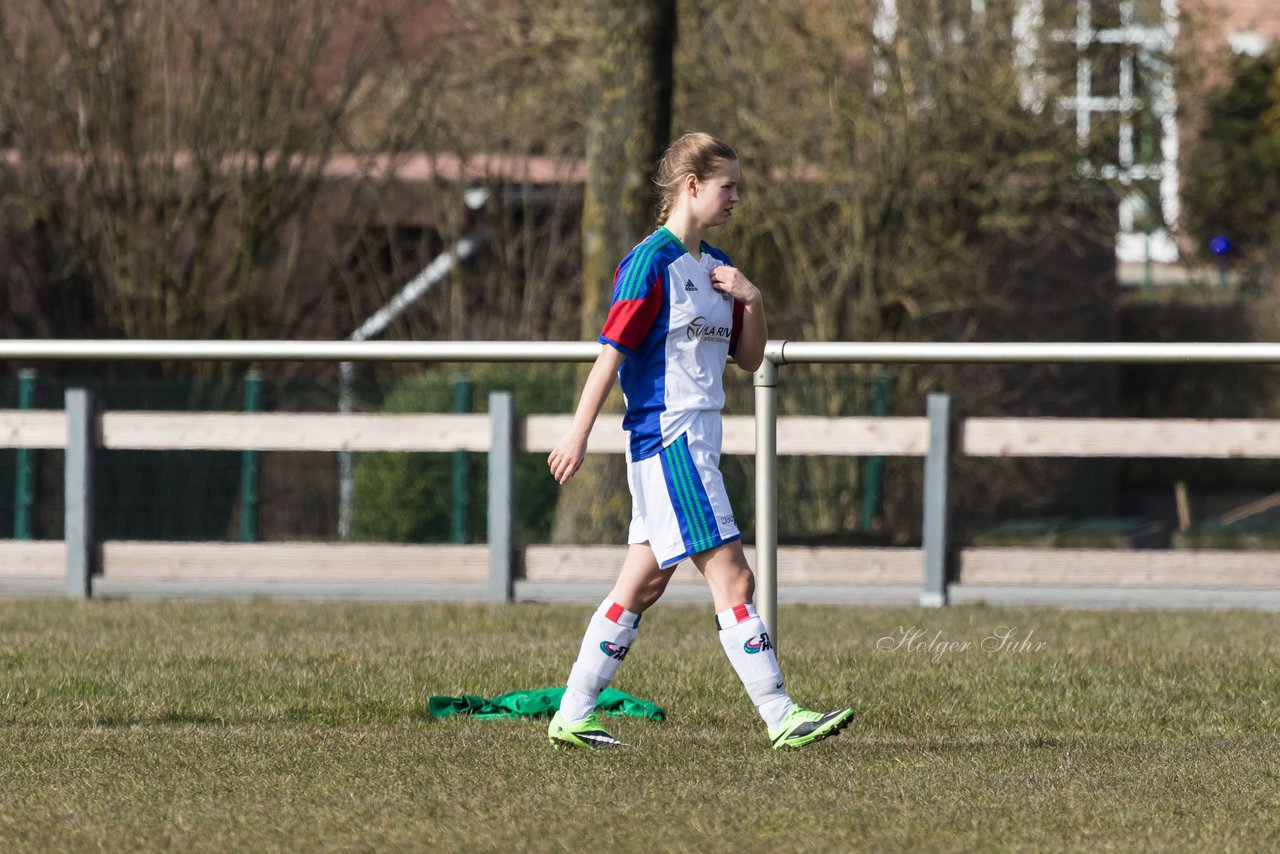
x: 1004, y: 640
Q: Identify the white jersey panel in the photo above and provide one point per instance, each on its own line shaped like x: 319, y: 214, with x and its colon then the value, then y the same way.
x: 697, y: 345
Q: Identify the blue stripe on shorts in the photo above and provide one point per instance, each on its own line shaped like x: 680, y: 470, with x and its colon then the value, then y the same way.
x: 698, y: 528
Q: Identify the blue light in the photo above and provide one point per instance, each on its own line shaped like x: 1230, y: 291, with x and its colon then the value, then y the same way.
x: 1220, y: 245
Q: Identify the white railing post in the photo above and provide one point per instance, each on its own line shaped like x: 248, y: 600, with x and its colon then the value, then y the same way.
x: 766, y: 386
x: 937, y: 509
x: 346, y: 459
x: 502, y: 463
x: 82, y: 431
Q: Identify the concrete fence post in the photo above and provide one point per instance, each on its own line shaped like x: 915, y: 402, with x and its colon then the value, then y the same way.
x: 937, y: 508
x: 82, y: 439
x: 502, y: 464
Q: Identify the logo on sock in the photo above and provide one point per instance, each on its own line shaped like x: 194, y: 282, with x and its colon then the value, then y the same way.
x: 759, y: 643
x: 618, y: 651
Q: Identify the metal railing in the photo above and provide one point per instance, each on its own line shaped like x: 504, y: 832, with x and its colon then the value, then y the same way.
x: 766, y: 382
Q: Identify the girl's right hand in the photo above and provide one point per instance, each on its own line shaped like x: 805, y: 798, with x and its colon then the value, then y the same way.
x: 566, y: 458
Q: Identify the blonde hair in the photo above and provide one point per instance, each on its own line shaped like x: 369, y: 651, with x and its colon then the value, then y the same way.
x: 697, y: 154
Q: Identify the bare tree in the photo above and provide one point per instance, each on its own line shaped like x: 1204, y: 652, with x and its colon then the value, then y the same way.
x: 191, y: 169
x: 897, y: 189
x: 499, y: 96
x: 282, y: 168
x: 629, y: 125
x: 170, y: 154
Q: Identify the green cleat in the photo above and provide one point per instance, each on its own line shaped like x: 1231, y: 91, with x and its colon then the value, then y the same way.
x: 586, y: 733
x: 802, y: 727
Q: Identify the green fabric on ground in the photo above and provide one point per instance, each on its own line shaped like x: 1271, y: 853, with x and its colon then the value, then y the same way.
x: 541, y: 703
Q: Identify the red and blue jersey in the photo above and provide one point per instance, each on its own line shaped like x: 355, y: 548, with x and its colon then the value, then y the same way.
x: 676, y: 332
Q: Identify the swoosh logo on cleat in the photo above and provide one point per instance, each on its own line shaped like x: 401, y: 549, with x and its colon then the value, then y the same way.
x: 810, y: 731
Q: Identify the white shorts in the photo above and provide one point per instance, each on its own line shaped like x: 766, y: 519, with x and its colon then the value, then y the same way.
x: 678, y: 501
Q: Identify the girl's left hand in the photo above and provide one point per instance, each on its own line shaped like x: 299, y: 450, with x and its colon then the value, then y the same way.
x: 731, y: 281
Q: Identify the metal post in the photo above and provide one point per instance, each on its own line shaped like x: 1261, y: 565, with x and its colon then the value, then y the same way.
x: 766, y: 385
x: 24, y: 480
x: 346, y: 459
x: 374, y: 325
x: 462, y: 388
x: 249, y: 464
x: 81, y: 440
x: 936, y: 508
x: 872, y: 485
x: 502, y: 457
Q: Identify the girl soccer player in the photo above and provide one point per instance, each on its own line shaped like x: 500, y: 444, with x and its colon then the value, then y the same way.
x: 679, y: 309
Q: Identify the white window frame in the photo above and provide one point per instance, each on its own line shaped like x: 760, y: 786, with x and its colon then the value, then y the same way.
x: 1147, y: 49
x: 1143, y: 45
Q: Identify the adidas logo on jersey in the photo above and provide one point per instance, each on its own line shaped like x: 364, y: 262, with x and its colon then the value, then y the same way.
x: 689, y: 285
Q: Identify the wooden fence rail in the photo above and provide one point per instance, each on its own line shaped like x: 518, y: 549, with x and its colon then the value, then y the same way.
x: 796, y: 435
x: 298, y: 431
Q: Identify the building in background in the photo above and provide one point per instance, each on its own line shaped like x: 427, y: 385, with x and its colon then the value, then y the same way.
x: 1128, y: 74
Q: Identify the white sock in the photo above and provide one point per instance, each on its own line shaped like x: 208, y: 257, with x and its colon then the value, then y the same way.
x: 746, y: 642
x: 609, y: 636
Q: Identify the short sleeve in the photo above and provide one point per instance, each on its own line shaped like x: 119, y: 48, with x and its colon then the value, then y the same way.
x: 637, y: 300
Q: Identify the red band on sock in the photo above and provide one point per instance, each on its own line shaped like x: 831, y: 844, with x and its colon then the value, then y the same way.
x: 735, y: 615
x: 615, y: 611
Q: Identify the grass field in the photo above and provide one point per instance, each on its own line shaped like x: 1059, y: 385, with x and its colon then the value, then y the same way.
x: 252, y: 725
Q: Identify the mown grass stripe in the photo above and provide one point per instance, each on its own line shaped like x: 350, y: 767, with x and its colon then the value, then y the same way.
x: 258, y: 724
